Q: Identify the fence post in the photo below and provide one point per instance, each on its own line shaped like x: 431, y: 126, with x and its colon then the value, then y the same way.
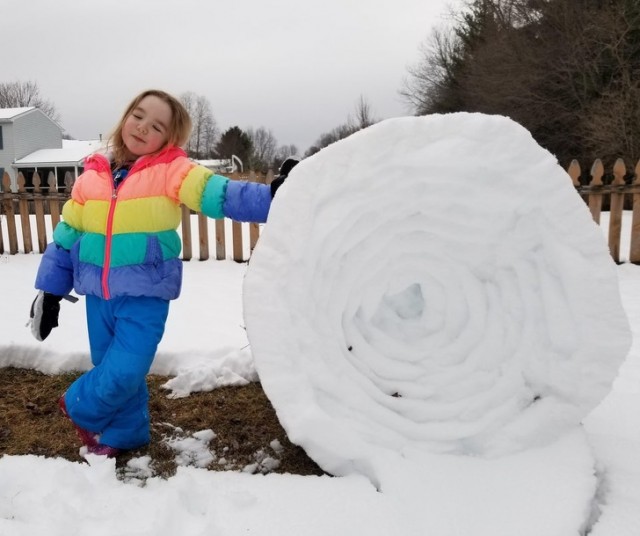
x: 38, y: 203
x: 615, y: 209
x: 69, y: 179
x: 634, y: 247
x: 236, y: 228
x: 236, y: 233
x: 596, y: 195
x: 1, y: 211
x: 9, y: 211
x: 4, y: 187
x: 186, y: 234
x: 254, y: 228
x: 221, y: 248
x: 54, y: 204
x: 574, y: 172
x: 203, y: 237
x: 23, y: 208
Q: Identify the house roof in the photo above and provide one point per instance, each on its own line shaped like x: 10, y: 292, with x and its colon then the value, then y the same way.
x: 72, y: 153
x: 214, y: 162
x: 7, y: 114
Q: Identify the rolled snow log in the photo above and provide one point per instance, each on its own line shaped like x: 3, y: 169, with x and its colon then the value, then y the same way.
x: 432, y: 284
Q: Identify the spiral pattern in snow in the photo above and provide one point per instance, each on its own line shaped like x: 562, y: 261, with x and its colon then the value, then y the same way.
x: 432, y: 284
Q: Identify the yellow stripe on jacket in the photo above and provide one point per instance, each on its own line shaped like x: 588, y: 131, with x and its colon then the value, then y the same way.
x: 147, y: 215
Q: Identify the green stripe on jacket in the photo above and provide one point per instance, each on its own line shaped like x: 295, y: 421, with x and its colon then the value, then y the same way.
x: 130, y: 248
x: 65, y: 236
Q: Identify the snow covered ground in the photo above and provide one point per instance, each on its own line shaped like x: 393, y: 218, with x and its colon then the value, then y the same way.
x: 586, y: 479
x: 204, y: 347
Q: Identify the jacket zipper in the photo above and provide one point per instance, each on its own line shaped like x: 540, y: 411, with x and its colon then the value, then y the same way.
x: 106, y: 266
x: 107, y: 246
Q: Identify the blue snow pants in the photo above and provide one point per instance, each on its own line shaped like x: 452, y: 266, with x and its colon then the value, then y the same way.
x: 112, y: 398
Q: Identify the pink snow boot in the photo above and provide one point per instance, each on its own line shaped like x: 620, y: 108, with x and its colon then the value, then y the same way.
x: 104, y: 450
x: 88, y: 438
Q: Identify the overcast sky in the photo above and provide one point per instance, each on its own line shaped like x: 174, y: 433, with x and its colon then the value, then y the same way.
x: 297, y: 68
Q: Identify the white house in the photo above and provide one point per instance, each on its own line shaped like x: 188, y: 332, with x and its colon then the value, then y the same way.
x: 59, y: 161
x: 23, y: 131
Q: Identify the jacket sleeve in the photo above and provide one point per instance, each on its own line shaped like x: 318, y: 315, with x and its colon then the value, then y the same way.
x: 247, y: 201
x: 55, y: 273
x: 218, y: 197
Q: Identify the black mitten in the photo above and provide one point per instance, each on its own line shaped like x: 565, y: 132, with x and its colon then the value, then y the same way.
x: 44, y: 314
x: 283, y: 173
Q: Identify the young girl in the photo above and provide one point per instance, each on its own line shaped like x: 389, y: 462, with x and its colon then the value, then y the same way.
x: 118, y: 245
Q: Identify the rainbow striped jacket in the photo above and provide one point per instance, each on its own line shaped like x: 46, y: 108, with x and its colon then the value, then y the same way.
x: 122, y: 241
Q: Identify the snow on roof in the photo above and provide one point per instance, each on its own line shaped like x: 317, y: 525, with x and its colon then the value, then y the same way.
x: 9, y: 113
x: 72, y: 153
x: 214, y: 162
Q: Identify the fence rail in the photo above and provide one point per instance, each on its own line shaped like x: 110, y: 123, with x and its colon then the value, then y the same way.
x: 615, y: 190
x: 21, y: 206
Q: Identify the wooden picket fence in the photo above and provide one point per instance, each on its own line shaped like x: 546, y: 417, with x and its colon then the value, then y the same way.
x: 614, y: 190
x: 19, y: 208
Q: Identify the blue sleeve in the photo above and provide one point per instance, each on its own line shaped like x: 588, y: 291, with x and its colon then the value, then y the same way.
x: 55, y: 273
x: 247, y: 201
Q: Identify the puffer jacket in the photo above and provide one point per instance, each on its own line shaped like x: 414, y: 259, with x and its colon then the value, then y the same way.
x: 123, y: 241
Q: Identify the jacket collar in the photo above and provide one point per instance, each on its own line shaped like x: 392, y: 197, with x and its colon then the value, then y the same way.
x: 101, y: 162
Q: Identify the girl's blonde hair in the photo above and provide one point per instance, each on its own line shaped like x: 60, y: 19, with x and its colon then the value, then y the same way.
x: 179, y: 128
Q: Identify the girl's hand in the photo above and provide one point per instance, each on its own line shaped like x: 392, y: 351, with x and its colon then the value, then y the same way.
x: 285, y: 168
x: 43, y: 316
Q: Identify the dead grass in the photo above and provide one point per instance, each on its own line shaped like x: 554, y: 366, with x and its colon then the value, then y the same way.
x: 242, y: 418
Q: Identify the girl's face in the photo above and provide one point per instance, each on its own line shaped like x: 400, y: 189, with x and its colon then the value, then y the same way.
x: 146, y: 128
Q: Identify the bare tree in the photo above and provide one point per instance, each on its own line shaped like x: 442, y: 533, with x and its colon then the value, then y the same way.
x: 610, y: 126
x: 22, y: 94
x: 282, y: 153
x: 264, y: 146
x: 565, y: 69
x: 204, y: 131
x: 363, y: 119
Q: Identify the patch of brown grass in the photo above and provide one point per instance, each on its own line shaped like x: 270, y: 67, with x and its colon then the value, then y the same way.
x: 242, y: 418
